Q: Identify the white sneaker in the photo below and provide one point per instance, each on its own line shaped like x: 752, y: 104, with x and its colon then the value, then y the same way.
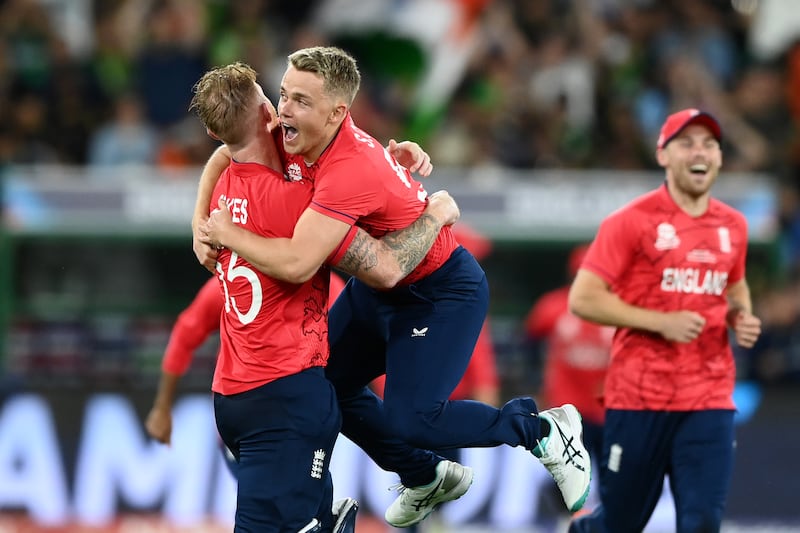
x: 563, y: 454
x: 416, y: 503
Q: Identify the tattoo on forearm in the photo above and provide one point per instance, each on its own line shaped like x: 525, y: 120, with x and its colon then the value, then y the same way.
x: 408, y: 246
x: 362, y: 254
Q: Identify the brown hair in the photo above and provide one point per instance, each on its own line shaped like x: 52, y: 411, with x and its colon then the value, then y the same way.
x: 222, y: 100
x: 336, y: 67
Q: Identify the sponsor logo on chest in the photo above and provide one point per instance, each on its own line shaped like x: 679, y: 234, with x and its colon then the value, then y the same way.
x: 691, y: 279
x: 694, y: 281
x: 294, y: 172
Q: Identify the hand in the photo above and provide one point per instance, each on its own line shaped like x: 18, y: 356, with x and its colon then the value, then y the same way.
x: 412, y: 156
x: 746, y: 328
x: 205, y: 253
x: 218, y: 225
x: 443, y: 207
x: 159, y: 424
x: 682, y: 326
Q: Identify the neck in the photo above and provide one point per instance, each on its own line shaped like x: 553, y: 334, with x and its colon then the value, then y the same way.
x: 694, y: 206
x: 260, y: 149
x: 310, y: 159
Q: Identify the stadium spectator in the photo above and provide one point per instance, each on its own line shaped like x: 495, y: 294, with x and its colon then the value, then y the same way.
x: 128, y: 139
x: 668, y: 270
x: 620, y: 54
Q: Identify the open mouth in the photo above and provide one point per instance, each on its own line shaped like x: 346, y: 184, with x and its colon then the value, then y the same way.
x: 289, y: 133
x: 699, y: 169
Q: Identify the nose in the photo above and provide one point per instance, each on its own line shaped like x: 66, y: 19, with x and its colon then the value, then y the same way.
x: 699, y: 149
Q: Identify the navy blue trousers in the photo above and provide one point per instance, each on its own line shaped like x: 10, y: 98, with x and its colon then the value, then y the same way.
x: 422, y: 337
x: 282, y: 436
x: 640, y: 447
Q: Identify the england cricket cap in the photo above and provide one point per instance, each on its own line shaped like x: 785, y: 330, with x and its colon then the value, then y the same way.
x: 676, y: 122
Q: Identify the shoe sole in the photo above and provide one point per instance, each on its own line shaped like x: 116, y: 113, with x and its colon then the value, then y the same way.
x: 573, y: 412
x: 460, y: 489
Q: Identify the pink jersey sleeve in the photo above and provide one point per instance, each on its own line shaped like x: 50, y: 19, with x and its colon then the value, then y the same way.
x: 193, y: 326
x: 611, y: 251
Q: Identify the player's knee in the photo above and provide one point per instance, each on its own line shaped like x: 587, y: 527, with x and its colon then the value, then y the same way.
x: 412, y: 424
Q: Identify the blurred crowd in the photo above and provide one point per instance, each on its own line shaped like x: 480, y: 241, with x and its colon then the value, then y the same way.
x: 571, y: 84
x: 545, y: 84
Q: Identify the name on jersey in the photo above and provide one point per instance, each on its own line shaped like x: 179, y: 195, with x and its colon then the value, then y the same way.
x: 238, y: 209
x: 694, y: 281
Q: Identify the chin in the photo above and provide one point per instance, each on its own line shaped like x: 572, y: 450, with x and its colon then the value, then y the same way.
x: 290, y: 149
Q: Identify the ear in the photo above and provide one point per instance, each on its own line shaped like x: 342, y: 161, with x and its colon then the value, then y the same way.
x: 267, y: 112
x: 338, y: 113
x: 662, y: 157
x: 213, y: 135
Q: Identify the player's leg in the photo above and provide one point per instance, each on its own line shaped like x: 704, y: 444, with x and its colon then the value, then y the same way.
x: 357, y: 357
x: 433, y: 326
x: 636, y: 447
x: 431, y: 339
x: 432, y: 335
x: 702, y: 464
x: 282, y: 431
x: 230, y: 459
x: 358, y: 350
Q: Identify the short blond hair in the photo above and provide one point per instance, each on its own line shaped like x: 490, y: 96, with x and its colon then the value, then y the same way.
x: 337, y: 68
x: 222, y: 100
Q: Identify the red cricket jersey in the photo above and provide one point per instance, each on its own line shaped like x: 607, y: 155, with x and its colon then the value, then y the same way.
x: 656, y: 256
x: 269, y: 328
x: 357, y: 181
x: 577, y: 355
x: 201, y: 318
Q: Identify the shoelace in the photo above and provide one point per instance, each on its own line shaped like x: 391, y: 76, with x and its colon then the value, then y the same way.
x: 419, y: 503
